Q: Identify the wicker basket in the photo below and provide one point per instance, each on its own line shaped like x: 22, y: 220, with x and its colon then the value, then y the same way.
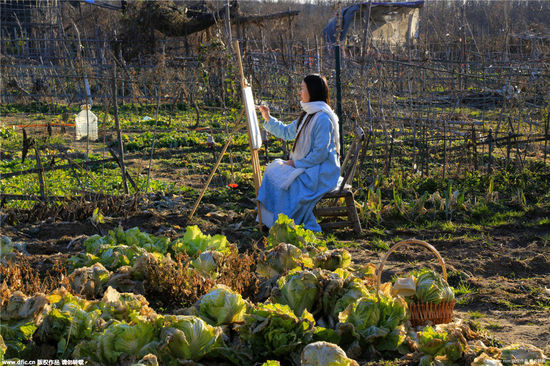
x: 422, y: 313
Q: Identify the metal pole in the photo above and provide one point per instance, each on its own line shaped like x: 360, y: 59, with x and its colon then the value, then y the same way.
x: 338, y: 81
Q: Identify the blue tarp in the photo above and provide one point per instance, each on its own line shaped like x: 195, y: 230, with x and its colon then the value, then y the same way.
x: 329, y: 33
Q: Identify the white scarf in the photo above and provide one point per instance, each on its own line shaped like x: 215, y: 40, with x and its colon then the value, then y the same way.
x: 303, y: 146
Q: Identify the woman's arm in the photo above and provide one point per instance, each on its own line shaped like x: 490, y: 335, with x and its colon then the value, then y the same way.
x: 321, y: 140
x: 280, y: 130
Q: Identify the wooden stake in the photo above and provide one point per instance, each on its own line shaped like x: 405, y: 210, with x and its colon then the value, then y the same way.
x: 118, y: 132
x: 224, y: 149
x: 40, y: 175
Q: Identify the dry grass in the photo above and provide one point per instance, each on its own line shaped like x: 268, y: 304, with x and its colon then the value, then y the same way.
x: 18, y: 274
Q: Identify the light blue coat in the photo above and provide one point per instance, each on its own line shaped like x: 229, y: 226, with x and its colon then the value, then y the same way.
x: 322, y: 170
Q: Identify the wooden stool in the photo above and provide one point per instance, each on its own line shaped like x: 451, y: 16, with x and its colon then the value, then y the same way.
x: 332, y: 209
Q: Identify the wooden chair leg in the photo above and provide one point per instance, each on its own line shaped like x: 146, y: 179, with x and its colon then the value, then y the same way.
x: 352, y: 213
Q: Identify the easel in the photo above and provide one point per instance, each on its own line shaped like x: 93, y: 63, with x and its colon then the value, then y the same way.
x: 253, y: 152
x: 256, y: 172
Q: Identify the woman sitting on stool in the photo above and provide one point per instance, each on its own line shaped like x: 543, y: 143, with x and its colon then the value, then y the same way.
x: 294, y: 187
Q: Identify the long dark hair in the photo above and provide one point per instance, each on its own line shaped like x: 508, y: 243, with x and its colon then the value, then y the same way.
x: 317, y: 87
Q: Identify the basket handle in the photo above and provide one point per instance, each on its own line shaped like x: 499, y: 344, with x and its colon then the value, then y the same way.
x: 399, y: 245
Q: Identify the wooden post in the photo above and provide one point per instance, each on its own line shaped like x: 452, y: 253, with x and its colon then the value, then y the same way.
x: 546, y: 128
x: 444, y: 148
x: 256, y: 172
x: 490, y: 164
x: 118, y: 132
x: 153, y: 143
x: 474, y: 146
x: 40, y: 175
x: 508, y: 148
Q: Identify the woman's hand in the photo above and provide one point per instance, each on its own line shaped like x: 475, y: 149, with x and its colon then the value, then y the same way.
x: 264, y: 110
x: 291, y: 163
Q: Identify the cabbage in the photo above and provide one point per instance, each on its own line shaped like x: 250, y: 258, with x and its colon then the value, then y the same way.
x: 148, y: 360
x: 119, y: 248
x: 448, y: 294
x: 123, y: 305
x: 207, y: 263
x: 453, y: 350
x: 354, y: 289
x: 272, y: 330
x: 363, y: 313
x: 195, y: 242
x: 325, y: 354
x: 189, y: 337
x: 16, y: 336
x: 222, y: 306
x: 286, y: 231
x: 431, y: 341
x: 20, y: 306
x: 297, y: 290
x: 89, y: 281
x: 67, y: 326
x: 333, y: 259
x: 431, y: 287
x: 281, y: 259
x: 375, y: 322
x: 119, y: 340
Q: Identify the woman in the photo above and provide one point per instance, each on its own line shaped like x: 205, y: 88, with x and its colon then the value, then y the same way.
x: 293, y: 187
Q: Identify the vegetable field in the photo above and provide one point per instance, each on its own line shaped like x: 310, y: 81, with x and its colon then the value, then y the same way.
x: 101, y: 264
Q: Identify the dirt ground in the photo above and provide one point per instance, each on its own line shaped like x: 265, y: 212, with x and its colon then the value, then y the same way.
x: 505, y: 270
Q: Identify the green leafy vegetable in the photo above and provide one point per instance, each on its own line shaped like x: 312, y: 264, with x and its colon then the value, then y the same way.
x: 281, y: 259
x: 325, y: 354
x: 189, y: 337
x: 298, y: 290
x: 222, y: 306
x: 272, y: 330
x: 286, y: 231
x: 333, y: 259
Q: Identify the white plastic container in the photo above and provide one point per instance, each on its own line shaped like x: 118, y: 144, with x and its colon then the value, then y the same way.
x: 86, y: 123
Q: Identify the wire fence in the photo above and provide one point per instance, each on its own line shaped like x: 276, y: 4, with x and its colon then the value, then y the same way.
x: 429, y: 109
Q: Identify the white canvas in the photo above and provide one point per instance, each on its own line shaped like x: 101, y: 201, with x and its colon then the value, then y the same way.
x: 253, y: 126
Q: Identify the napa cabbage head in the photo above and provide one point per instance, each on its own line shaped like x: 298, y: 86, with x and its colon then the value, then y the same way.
x: 325, y: 354
x: 286, y: 231
x: 333, y: 259
x: 282, y: 258
x: 189, y: 337
x: 221, y: 305
x: 298, y: 290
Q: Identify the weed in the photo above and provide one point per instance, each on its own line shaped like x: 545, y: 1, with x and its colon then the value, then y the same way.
x: 448, y: 226
x: 379, y: 244
x: 475, y: 315
x: 508, y: 305
x: 494, y: 325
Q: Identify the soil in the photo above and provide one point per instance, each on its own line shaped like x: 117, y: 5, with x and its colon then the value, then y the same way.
x: 505, y: 268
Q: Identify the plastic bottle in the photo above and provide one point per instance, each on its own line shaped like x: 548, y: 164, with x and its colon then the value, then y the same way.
x: 86, y: 123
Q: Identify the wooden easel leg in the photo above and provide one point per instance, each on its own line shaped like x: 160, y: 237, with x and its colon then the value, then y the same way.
x: 229, y: 139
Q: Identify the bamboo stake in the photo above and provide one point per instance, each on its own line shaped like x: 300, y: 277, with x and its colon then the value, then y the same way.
x: 220, y: 157
x: 118, y: 132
